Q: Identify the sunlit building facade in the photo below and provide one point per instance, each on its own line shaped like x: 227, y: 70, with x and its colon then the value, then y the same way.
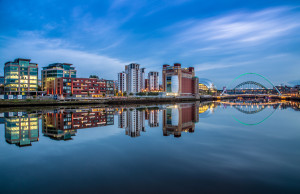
x: 20, y: 77
x: 179, y: 81
x: 21, y: 129
x: 56, y: 70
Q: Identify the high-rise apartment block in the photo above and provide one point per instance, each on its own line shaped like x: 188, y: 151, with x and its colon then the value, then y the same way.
x: 56, y: 70
x: 132, y: 80
x: 21, y: 77
x: 134, y: 76
x: 122, y: 82
x: 153, y: 81
x: 179, y: 81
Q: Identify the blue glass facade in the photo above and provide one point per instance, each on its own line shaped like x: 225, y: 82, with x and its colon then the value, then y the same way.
x: 56, y: 70
x: 20, y: 77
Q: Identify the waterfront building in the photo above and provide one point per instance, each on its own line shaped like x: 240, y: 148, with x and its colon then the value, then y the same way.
x: 179, y: 81
x: 146, y: 85
x: 134, y: 78
x: 206, y: 86
x: 77, y: 87
x: 180, y: 118
x: 56, y: 70
x: 1, y: 84
x: 122, y: 82
x: 142, y: 79
x: 110, y: 87
x: 1, y: 80
x: 21, y: 128
x: 153, y: 81
x: 21, y: 77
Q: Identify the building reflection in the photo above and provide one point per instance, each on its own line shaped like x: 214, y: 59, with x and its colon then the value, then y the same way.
x: 63, y: 124
x: 152, y: 115
x: 21, y: 128
x: 180, y: 118
x: 133, y: 120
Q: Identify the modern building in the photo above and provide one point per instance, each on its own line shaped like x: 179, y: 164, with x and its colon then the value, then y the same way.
x: 1, y: 80
x: 153, y: 81
x: 110, y: 87
x: 134, y: 78
x: 146, y: 85
x: 21, y: 128
x: 122, y: 82
x: 142, y: 79
x: 1, y: 84
x: 179, y: 81
x: 57, y: 70
x: 206, y: 86
x: 77, y: 87
x: 21, y: 77
x: 180, y: 118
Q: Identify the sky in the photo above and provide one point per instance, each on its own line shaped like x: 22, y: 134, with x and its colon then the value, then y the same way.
x: 221, y: 39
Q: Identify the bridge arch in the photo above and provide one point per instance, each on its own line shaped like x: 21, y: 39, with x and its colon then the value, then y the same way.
x: 255, y: 83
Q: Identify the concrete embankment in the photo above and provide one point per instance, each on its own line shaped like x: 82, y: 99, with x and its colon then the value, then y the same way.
x: 111, y: 101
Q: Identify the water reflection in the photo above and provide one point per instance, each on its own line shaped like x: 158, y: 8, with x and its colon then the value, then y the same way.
x: 22, y: 128
x: 63, y: 124
x: 180, y: 118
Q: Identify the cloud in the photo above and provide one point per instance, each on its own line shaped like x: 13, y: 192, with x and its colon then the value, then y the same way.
x: 239, y: 28
x: 45, y: 51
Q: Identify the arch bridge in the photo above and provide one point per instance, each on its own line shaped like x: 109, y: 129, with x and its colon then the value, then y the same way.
x: 251, y: 86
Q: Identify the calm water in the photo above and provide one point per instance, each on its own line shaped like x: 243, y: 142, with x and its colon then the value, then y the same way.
x: 237, y: 147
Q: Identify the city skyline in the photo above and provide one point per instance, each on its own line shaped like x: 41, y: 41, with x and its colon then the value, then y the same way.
x: 221, y: 40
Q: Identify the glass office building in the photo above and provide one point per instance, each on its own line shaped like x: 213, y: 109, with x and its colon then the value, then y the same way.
x: 21, y: 77
x: 56, y: 70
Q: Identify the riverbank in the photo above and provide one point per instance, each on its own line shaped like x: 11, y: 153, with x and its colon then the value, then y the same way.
x: 117, y: 101
x: 110, y: 101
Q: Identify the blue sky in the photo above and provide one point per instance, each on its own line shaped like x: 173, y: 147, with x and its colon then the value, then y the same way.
x: 221, y: 39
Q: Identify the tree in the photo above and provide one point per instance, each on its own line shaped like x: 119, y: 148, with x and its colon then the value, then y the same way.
x: 125, y: 94
x: 131, y: 94
x: 94, y: 76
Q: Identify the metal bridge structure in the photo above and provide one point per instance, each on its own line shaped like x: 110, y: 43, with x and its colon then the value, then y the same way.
x: 247, y: 84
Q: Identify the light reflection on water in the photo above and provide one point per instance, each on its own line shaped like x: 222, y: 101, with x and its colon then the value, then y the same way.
x: 238, y: 146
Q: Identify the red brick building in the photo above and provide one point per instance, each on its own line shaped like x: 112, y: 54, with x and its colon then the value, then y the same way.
x: 179, y: 81
x: 77, y: 87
